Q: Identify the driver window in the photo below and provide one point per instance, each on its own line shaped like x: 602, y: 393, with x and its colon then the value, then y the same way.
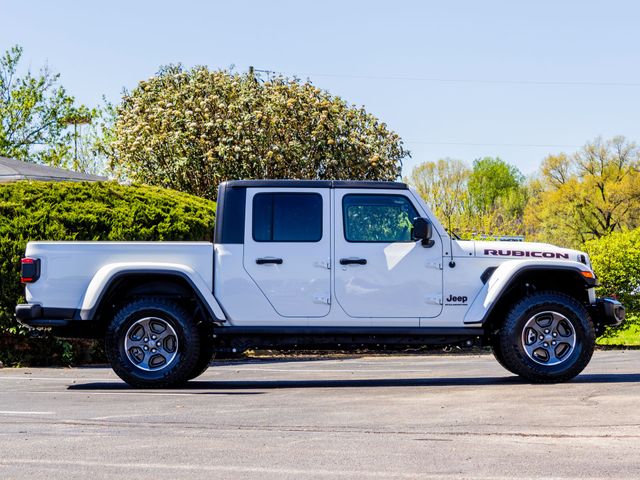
x: 377, y: 218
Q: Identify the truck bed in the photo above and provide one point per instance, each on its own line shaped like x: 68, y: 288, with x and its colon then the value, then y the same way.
x: 67, y: 268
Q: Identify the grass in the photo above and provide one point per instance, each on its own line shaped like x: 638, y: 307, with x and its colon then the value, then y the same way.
x: 629, y: 337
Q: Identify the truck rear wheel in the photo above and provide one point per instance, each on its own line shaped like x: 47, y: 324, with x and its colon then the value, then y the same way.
x: 153, y: 343
x: 547, y: 337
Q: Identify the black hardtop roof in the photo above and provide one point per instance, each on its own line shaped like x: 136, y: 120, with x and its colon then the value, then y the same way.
x: 314, y: 184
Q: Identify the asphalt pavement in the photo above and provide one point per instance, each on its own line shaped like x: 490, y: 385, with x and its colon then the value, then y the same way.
x: 437, y: 416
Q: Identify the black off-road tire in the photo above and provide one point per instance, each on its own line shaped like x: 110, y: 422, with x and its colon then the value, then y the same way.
x: 205, y: 357
x: 497, y: 352
x: 184, y: 358
x: 510, y: 338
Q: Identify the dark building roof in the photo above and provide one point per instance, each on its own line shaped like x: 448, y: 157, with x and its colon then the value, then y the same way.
x: 12, y: 170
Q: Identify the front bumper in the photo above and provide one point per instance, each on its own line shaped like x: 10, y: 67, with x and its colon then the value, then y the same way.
x: 608, y: 312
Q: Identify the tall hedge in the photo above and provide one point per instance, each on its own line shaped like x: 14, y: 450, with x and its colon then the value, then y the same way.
x: 616, y: 262
x: 88, y: 211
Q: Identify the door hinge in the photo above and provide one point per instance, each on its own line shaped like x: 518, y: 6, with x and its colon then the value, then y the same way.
x: 435, y: 300
x: 323, y: 264
x: 324, y: 299
x: 436, y: 265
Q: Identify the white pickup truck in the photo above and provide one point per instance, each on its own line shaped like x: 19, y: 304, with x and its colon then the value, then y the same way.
x: 317, y: 265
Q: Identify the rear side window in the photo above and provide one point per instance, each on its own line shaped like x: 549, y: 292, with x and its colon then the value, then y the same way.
x: 377, y: 218
x: 287, y: 217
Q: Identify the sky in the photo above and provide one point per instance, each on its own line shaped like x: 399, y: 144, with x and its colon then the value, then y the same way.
x: 460, y: 79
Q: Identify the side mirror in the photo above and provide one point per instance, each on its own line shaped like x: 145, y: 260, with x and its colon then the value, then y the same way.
x: 423, y: 230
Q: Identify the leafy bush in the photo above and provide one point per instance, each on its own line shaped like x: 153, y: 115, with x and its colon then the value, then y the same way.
x: 616, y: 261
x: 85, y: 211
x: 192, y: 129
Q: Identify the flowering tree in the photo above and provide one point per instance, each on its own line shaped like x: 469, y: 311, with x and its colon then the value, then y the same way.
x: 190, y: 130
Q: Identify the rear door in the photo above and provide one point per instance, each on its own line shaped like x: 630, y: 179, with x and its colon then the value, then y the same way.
x: 288, y: 247
x: 380, y: 271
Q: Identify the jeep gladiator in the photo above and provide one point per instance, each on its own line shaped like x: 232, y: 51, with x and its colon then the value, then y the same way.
x: 317, y: 265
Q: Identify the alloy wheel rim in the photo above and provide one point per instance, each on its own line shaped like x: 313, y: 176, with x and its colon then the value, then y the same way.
x: 151, y: 344
x: 548, y: 338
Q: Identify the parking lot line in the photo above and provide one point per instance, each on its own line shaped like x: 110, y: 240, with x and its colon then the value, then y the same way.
x: 11, y: 412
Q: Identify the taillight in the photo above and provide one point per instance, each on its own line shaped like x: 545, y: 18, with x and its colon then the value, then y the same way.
x: 29, y: 270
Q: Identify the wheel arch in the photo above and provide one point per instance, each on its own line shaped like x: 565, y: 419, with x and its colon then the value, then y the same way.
x: 505, y: 287
x: 114, y: 284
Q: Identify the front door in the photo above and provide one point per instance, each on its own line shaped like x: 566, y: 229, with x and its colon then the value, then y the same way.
x: 379, y: 270
x: 288, y: 247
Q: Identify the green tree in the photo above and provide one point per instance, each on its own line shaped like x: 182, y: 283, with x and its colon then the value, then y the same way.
x: 190, y: 130
x: 95, y: 141
x: 443, y: 185
x: 487, y: 200
x: 587, y: 195
x: 33, y: 109
x: 493, y: 183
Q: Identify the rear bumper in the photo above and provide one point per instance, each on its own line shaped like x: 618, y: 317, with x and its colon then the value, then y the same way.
x: 35, y: 315
x: 608, y: 312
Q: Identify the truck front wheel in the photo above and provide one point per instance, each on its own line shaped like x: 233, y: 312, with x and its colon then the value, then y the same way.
x: 497, y: 352
x: 207, y: 353
x: 547, y: 337
x: 153, y: 343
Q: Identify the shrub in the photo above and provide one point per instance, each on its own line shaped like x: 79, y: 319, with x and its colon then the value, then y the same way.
x: 616, y: 262
x: 192, y: 129
x: 85, y: 211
